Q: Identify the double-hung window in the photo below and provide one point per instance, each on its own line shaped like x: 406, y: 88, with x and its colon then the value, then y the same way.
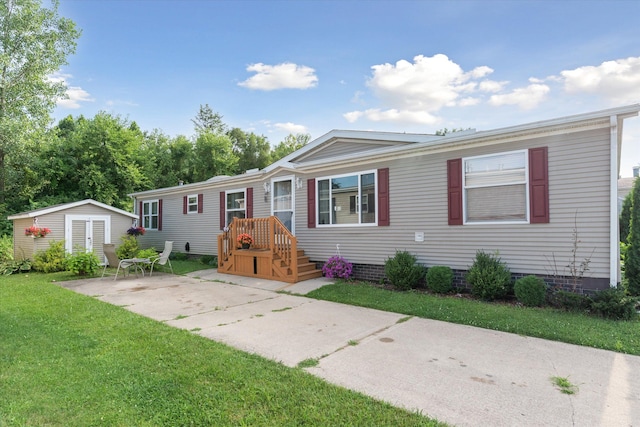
x: 347, y: 199
x: 192, y: 203
x: 495, y: 188
x: 236, y: 205
x: 150, y: 214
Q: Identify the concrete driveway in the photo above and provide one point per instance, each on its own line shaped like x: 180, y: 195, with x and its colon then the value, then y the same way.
x: 458, y: 374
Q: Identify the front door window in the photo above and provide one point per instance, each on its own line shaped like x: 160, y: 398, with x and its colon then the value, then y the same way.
x: 282, y: 202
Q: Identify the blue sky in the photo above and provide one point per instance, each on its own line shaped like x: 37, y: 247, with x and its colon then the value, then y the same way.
x: 280, y: 67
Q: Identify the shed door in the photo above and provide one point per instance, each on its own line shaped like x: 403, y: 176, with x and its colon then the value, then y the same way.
x: 87, y: 233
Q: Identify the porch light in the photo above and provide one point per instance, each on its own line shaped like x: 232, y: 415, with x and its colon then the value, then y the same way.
x: 267, y: 187
x: 298, y: 183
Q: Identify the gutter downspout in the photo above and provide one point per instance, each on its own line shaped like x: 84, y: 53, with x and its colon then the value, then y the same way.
x: 614, y: 231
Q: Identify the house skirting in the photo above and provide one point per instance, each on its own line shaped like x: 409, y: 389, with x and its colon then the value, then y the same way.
x: 585, y: 285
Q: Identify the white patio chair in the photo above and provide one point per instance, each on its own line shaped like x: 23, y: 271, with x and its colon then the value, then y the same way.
x: 109, y: 250
x: 163, y: 257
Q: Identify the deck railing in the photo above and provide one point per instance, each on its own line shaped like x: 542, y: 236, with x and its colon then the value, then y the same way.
x: 268, y: 234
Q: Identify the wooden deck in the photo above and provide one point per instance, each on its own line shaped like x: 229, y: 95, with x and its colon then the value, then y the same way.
x: 274, y: 254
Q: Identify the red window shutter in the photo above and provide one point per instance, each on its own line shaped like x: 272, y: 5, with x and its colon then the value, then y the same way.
x: 140, y: 214
x: 454, y: 191
x: 249, y: 204
x: 538, y: 186
x: 311, y: 203
x: 383, y: 197
x: 184, y: 205
x: 200, y: 203
x: 160, y: 215
x: 223, y: 214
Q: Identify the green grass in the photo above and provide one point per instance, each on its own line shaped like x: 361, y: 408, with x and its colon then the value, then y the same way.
x: 70, y: 360
x: 545, y: 323
x: 564, y: 385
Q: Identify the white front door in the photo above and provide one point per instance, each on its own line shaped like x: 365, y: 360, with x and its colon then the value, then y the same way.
x: 283, y: 201
x: 87, y: 232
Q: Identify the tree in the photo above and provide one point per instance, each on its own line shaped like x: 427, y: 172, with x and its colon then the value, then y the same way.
x: 253, y: 151
x: 290, y: 144
x: 632, y: 259
x: 34, y: 43
x: 445, y: 131
x: 213, y: 156
x: 625, y: 218
x: 208, y: 121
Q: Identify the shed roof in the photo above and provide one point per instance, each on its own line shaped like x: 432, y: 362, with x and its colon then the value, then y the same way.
x: 64, y: 206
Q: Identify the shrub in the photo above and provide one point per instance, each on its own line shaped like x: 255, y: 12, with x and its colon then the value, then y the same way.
x: 83, y: 263
x: 530, y: 291
x: 6, y: 248
x: 337, y: 267
x: 128, y: 248
x: 209, y: 260
x: 488, y: 277
x: 179, y: 256
x: 440, y: 279
x: 10, y: 267
x: 614, y: 304
x: 569, y: 301
x: 150, y: 253
x: 403, y: 270
x: 52, y: 259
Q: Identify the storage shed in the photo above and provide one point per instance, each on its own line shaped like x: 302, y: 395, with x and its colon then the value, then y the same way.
x: 85, y: 225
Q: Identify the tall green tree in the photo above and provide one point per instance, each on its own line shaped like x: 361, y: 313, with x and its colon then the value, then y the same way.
x: 632, y: 259
x: 253, y: 151
x: 213, y: 156
x: 290, y: 144
x: 208, y: 120
x: 625, y: 218
x: 34, y: 43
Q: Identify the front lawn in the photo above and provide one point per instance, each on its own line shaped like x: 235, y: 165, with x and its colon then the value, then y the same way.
x: 70, y: 360
x: 552, y: 324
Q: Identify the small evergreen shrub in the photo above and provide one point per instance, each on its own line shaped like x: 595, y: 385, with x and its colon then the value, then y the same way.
x: 614, y: 304
x: 179, y: 256
x: 83, y: 263
x: 128, y: 248
x: 488, y: 277
x: 209, y: 260
x: 569, y: 301
x: 403, y: 270
x: 440, y: 279
x: 6, y: 248
x: 337, y: 267
x: 530, y: 291
x: 52, y: 259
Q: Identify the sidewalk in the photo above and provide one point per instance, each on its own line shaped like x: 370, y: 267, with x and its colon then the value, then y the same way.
x: 458, y: 374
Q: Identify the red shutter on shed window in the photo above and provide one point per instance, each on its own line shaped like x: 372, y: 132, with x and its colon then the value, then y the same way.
x: 538, y: 186
x: 140, y: 214
x: 223, y: 214
x: 200, y: 203
x: 454, y: 191
x: 383, y: 197
x: 311, y: 203
x: 160, y: 215
x: 185, y: 203
x: 249, y: 197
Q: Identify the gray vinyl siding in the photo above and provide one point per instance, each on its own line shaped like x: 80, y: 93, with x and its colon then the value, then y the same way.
x: 340, y: 148
x: 578, y: 182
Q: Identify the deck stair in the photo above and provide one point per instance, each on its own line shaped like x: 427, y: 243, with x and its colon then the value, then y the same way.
x: 274, y: 254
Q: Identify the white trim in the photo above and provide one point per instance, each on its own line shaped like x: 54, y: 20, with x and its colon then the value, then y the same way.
x: 189, y: 204
x: 359, y: 175
x: 292, y: 180
x: 142, y: 215
x: 89, y: 219
x: 526, y: 219
x: 52, y: 209
x: 614, y: 229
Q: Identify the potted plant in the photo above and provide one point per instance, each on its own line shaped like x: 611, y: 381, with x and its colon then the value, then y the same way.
x: 36, y: 232
x: 245, y: 240
x: 136, y: 231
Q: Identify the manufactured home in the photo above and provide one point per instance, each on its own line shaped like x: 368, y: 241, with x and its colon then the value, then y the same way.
x: 543, y: 195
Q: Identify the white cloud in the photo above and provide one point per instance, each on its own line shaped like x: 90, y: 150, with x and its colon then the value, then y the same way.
x: 412, y: 92
x: 617, y: 81
x: 291, y: 127
x: 525, y: 98
x: 74, y: 94
x: 281, y: 76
